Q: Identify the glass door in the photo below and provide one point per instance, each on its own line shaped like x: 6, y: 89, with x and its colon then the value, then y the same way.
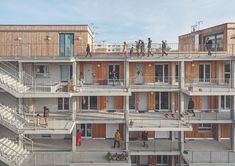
x: 161, y: 73
x: 114, y: 74
x: 204, y: 72
x: 66, y: 44
x: 86, y: 130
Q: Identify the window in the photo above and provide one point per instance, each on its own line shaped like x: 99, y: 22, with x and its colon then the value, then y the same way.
x: 177, y: 73
x: 42, y: 70
x: 227, y: 73
x: 89, y: 102
x: 63, y: 104
x: 65, y: 73
x: 204, y: 72
x: 114, y: 73
x: 161, y: 73
x: 161, y: 101
x: 86, y: 130
x: 225, y: 103
x: 132, y: 101
x: 217, y: 41
x: 133, y: 160
x: 204, y: 127
x: 66, y: 44
x: 162, y: 160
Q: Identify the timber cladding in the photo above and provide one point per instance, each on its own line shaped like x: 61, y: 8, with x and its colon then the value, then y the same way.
x: 41, y: 40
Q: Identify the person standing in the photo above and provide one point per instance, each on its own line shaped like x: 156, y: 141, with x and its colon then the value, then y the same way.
x: 125, y: 48
x: 117, y: 137
x: 114, y: 76
x: 78, y: 138
x: 88, y: 50
x: 131, y: 51
x: 164, y: 48
x: 46, y: 115
x: 137, y: 45
x: 191, y: 106
x: 142, y: 47
x: 149, y: 46
x: 145, y: 138
x: 209, y: 46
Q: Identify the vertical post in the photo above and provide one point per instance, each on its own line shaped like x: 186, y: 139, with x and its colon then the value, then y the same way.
x: 20, y: 102
x: 126, y: 116
x: 181, y: 79
x: 74, y: 76
x: 74, y: 108
x: 126, y: 73
x: 181, y: 148
x: 173, y: 74
x: 74, y: 132
x: 20, y: 72
x: 219, y: 133
x: 172, y: 161
x: 233, y: 74
x: 233, y: 124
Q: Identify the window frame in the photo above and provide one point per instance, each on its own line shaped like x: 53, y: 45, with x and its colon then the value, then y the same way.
x: 203, y: 128
x: 164, y: 78
x: 88, y: 107
x: 162, y: 160
x: 64, y: 44
x: 65, y: 105
x: 204, y: 79
x: 159, y: 94
x: 45, y: 74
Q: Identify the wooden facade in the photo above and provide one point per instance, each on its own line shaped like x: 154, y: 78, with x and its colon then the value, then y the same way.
x: 41, y: 40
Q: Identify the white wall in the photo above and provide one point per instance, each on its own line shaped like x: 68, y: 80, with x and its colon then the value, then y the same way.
x: 7, y: 99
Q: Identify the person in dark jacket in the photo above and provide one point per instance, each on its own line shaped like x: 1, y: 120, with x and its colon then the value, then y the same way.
x: 191, y: 106
x: 137, y: 46
x: 164, y: 48
x: 149, y: 46
x: 209, y: 46
x: 145, y: 138
x: 88, y: 50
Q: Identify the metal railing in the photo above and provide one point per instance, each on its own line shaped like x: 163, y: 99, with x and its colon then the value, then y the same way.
x: 154, y: 80
x: 155, y: 145
x: 207, y: 114
x: 101, y: 82
x: 51, y: 49
x: 222, y: 156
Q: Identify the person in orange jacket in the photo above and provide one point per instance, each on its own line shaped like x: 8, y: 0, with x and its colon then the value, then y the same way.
x: 117, y: 137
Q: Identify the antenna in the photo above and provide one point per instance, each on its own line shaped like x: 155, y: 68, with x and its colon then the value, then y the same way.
x: 196, y: 27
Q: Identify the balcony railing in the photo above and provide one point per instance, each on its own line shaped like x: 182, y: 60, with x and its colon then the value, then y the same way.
x: 100, y: 82
x: 207, y: 114
x: 154, y: 80
x: 210, y: 156
x: 53, y: 50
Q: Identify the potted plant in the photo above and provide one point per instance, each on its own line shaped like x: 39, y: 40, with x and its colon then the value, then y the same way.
x: 108, y: 156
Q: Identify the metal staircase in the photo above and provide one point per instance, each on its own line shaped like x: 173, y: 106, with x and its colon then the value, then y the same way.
x: 12, y: 120
x: 14, y: 154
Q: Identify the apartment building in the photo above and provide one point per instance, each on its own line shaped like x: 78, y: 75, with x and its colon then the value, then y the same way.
x: 45, y: 65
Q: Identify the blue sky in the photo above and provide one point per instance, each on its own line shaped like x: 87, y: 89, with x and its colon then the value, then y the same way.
x: 122, y: 20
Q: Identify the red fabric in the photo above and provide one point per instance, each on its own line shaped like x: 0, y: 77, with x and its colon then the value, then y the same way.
x: 78, y: 139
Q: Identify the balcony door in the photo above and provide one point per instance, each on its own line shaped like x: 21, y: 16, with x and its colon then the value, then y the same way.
x: 86, y: 130
x: 139, y: 74
x: 66, y: 44
x: 88, y: 76
x: 162, y: 101
x: 161, y: 73
x: 110, y: 103
x: 143, y: 102
x: 114, y: 74
x: 204, y: 72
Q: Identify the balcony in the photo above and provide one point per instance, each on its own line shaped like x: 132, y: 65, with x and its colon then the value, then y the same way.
x: 160, y: 83
x: 101, y: 116
x: 209, y: 86
x: 50, y: 51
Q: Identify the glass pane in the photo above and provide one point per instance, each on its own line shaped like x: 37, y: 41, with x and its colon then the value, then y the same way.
x: 207, y: 72
x: 69, y: 44
x: 227, y: 102
x: 60, y: 103
x: 64, y: 69
x: 133, y: 159
x: 157, y: 101
x: 66, y: 103
x: 159, y: 159
x: 83, y: 133
x: 201, y: 73
x: 117, y: 71
x: 110, y: 71
x: 158, y: 73
x: 93, y: 102
x: 165, y: 160
x: 166, y: 73
x: 222, y: 102
x: 164, y: 100
x: 132, y: 101
x: 61, y: 44
x: 227, y: 68
x: 177, y: 73
x: 88, y: 130
x: 85, y: 102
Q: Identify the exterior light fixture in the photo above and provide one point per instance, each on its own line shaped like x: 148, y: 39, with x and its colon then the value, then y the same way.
x: 150, y: 65
x: 49, y: 38
x: 19, y: 38
x: 98, y: 65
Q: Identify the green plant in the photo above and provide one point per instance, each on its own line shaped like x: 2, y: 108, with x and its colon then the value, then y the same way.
x: 108, y: 156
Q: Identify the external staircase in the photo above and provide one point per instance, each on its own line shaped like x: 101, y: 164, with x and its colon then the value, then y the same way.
x: 12, y: 120
x: 13, y: 154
